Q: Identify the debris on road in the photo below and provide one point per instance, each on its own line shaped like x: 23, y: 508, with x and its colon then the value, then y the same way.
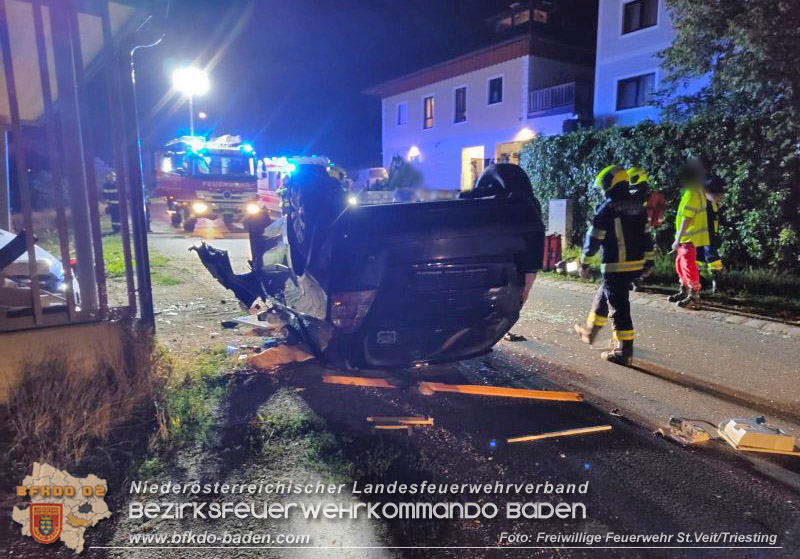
x: 357, y: 381
x: 278, y: 355
x: 755, y: 435
x: 228, y: 324
x: 264, y: 320
x: 399, y: 423
x: 429, y: 388
x: 685, y: 431
x: 556, y: 434
x: 511, y: 337
x: 411, y: 420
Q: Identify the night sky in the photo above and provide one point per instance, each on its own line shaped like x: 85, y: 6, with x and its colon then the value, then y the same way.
x: 289, y: 75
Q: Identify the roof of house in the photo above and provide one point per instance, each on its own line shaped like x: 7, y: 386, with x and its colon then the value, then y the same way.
x: 483, y: 58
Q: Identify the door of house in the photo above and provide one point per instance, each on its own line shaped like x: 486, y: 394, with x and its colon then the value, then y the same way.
x: 471, y: 166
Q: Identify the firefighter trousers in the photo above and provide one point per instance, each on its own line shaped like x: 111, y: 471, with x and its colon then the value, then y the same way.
x: 112, y: 209
x: 612, y: 300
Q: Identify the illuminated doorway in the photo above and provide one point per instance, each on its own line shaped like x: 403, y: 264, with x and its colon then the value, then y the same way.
x: 471, y: 166
x: 508, y: 152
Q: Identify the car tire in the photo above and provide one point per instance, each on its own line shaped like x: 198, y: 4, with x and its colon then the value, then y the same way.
x: 503, y: 180
x: 298, y: 232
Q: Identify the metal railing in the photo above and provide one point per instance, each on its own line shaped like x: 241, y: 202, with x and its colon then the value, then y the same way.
x: 562, y: 95
x: 63, y: 211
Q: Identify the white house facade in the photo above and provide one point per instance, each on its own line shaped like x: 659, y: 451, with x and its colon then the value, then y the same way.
x: 454, y: 118
x: 630, y: 34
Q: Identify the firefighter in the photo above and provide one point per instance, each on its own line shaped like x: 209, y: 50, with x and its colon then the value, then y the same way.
x: 111, y: 197
x: 619, y: 230
x: 691, y: 233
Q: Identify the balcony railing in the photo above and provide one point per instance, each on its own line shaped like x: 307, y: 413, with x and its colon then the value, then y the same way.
x: 552, y: 98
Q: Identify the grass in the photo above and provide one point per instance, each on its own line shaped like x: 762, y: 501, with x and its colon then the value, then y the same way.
x: 286, y: 421
x: 57, y: 413
x: 190, y: 392
x: 113, y: 255
x: 114, y: 259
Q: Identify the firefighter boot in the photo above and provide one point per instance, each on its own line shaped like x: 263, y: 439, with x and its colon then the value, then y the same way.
x: 691, y: 301
x: 622, y: 354
x: 587, y: 332
x: 679, y: 296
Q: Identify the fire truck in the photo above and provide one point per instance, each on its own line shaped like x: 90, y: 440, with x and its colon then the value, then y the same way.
x: 208, y: 178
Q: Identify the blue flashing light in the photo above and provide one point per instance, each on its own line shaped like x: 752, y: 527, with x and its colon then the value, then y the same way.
x: 291, y: 167
x: 196, y: 144
x: 247, y: 148
x: 492, y: 443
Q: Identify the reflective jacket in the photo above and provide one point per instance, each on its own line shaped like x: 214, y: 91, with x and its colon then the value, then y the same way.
x: 110, y: 193
x: 693, y: 206
x: 619, y: 231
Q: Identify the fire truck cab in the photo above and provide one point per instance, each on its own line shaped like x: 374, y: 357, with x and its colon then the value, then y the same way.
x: 209, y: 179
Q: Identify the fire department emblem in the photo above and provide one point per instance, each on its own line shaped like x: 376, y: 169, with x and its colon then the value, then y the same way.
x: 46, y: 522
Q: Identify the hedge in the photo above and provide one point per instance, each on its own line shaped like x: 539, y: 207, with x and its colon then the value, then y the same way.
x: 759, y: 219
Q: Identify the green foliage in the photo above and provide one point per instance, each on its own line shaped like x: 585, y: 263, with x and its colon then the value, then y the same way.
x: 749, y: 49
x: 759, y: 217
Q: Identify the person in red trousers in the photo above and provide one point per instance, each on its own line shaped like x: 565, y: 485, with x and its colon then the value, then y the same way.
x: 691, y: 235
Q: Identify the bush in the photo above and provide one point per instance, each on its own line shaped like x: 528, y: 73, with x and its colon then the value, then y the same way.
x: 759, y: 220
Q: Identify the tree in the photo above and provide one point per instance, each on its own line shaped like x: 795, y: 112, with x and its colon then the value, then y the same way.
x: 750, y: 51
x: 748, y: 48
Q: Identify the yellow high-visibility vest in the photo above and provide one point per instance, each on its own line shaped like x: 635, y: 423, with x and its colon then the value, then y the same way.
x: 693, y: 206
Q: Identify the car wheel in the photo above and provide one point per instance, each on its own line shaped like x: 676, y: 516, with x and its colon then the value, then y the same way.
x: 297, y: 229
x: 314, y: 201
x: 504, y: 180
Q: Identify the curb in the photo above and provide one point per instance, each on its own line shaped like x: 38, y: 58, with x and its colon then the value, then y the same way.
x: 785, y: 410
x: 660, y: 301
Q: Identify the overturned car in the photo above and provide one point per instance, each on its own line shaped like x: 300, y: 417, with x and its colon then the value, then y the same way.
x: 398, y: 284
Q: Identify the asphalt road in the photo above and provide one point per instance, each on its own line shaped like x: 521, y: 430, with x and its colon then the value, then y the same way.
x: 638, y: 484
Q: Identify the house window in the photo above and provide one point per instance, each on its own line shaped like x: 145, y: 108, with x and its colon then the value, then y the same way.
x: 402, y: 114
x: 427, y: 112
x: 639, y: 14
x: 634, y: 92
x: 461, y: 105
x: 495, y: 91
